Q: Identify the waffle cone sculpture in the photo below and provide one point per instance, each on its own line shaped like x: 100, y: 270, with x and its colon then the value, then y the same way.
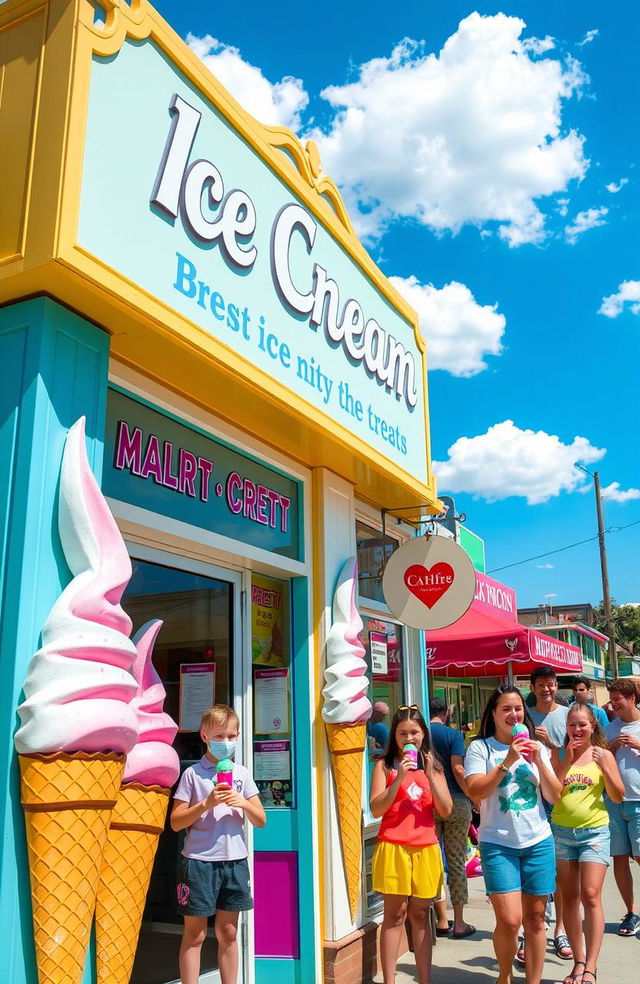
x: 67, y: 801
x: 346, y: 709
x: 347, y: 744
x: 76, y: 723
x: 136, y: 823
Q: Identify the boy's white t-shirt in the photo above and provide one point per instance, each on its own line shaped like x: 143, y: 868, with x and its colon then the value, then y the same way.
x: 514, y: 814
x: 219, y: 833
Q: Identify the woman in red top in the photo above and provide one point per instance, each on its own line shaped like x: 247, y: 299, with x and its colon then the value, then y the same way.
x: 407, y: 864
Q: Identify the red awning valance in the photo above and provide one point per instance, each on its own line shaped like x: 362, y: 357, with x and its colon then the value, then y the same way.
x: 483, y: 644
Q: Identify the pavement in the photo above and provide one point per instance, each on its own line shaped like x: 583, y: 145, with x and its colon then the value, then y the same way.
x: 472, y: 961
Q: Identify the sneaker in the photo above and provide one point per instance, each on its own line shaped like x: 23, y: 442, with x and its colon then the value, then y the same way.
x: 520, y: 951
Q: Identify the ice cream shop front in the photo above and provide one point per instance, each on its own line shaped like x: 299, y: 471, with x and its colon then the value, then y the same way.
x: 210, y: 395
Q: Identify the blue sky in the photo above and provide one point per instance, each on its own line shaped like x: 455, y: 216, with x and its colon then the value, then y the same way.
x: 489, y: 163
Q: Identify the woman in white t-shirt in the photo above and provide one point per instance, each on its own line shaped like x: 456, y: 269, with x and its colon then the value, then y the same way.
x: 510, y: 776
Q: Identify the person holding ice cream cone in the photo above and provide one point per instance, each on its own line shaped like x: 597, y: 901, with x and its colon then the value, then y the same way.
x: 213, y: 878
x: 407, y: 786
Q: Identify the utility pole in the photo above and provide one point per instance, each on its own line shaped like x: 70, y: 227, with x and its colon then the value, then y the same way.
x: 606, y: 597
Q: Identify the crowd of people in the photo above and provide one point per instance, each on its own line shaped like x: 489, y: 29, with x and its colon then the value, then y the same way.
x: 557, y: 790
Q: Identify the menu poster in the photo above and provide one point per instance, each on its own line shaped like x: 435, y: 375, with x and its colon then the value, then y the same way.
x: 379, y: 653
x: 272, y: 760
x: 271, y: 701
x: 267, y: 628
x: 197, y: 693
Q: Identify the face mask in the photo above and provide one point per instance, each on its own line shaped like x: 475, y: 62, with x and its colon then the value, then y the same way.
x: 222, y: 749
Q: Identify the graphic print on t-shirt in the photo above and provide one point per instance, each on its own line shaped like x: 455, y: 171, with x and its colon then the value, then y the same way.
x: 576, y: 782
x: 524, y: 796
x: 416, y: 794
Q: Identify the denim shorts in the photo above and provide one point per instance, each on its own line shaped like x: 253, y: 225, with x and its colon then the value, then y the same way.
x: 582, y: 843
x: 531, y: 870
x: 624, y: 820
x: 206, y: 886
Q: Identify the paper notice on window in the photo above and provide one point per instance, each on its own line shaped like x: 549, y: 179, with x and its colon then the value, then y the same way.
x: 272, y: 760
x: 197, y: 693
x: 271, y: 701
x: 379, y: 653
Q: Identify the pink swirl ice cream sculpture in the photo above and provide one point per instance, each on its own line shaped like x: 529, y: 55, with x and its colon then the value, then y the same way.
x: 137, y: 821
x: 345, y: 712
x: 77, y: 722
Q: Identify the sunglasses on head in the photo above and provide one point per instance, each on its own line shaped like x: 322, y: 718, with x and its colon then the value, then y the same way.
x: 408, y: 707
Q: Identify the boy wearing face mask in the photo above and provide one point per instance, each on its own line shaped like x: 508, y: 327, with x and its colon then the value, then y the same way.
x: 213, y: 876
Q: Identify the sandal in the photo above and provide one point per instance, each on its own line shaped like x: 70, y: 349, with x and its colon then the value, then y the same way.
x: 520, y: 951
x: 561, y: 943
x: 591, y: 973
x: 629, y: 925
x: 570, y: 978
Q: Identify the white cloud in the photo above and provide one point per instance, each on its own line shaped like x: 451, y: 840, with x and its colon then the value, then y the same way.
x: 472, y: 134
x: 459, y: 332
x: 545, y: 567
x: 589, y: 37
x: 628, y: 293
x: 274, y: 103
x: 614, y: 493
x: 508, y: 461
x: 591, y: 218
x: 615, y: 188
x: 538, y: 46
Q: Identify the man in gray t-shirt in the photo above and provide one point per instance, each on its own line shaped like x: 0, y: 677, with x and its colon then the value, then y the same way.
x: 550, y: 720
x: 623, y: 735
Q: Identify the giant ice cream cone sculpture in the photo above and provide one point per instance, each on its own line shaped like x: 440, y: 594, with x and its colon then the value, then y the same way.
x: 77, y: 725
x: 345, y: 712
x: 137, y: 821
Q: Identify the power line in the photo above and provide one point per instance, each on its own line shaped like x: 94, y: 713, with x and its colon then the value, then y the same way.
x: 578, y: 543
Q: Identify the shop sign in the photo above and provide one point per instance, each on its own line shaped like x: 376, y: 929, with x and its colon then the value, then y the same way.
x: 492, y: 596
x: 154, y: 461
x: 545, y: 649
x: 429, y: 582
x: 197, y: 219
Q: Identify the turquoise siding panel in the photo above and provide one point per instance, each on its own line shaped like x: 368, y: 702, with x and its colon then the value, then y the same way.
x: 53, y: 369
x: 271, y: 971
x: 291, y: 830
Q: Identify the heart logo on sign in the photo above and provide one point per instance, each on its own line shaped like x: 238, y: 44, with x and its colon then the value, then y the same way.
x: 429, y: 584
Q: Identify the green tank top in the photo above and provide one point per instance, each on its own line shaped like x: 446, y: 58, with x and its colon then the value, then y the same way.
x: 581, y: 803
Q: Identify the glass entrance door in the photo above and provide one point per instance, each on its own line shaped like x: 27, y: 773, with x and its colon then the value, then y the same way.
x: 198, y: 657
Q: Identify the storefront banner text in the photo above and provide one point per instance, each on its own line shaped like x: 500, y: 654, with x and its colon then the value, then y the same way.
x: 156, y: 462
x: 492, y: 596
x: 195, y: 218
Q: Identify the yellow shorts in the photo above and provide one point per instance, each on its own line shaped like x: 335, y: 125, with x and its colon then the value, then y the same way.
x: 401, y: 870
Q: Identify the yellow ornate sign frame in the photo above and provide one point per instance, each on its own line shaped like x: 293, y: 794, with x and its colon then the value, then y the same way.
x: 46, y: 51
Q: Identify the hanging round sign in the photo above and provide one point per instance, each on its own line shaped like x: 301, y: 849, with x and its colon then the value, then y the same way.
x: 429, y: 582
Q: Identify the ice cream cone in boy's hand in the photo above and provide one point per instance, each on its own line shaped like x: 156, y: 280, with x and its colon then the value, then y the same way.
x: 77, y: 725
x: 137, y: 821
x: 345, y: 712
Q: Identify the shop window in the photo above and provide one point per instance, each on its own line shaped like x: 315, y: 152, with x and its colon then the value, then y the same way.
x: 374, y: 551
x: 382, y: 641
x: 193, y: 655
x: 272, y: 703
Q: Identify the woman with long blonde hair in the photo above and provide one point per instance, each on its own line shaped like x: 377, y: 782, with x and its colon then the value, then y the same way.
x: 580, y: 825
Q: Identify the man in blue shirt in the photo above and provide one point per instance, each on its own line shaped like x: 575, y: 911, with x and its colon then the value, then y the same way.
x: 581, y: 688
x: 377, y: 730
x: 449, y: 744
